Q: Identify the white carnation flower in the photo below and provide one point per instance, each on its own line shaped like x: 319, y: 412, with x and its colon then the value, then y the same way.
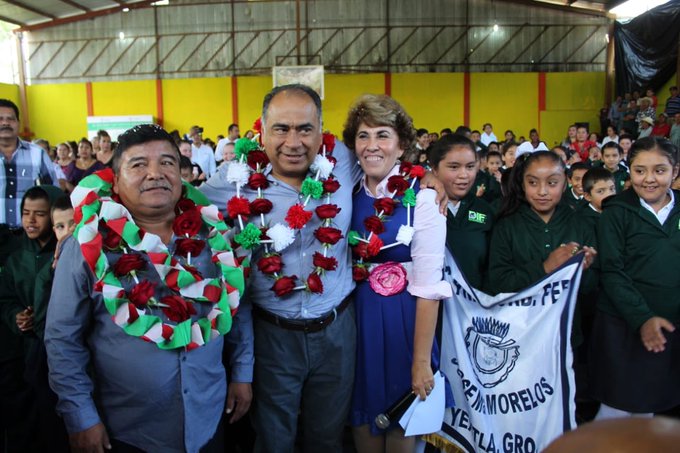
x: 323, y: 166
x: 238, y: 172
x: 281, y: 235
x: 405, y: 234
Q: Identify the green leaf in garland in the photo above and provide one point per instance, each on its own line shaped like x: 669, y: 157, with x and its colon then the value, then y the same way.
x: 409, y: 198
x: 243, y: 146
x: 312, y: 187
x: 353, y: 238
x: 249, y: 237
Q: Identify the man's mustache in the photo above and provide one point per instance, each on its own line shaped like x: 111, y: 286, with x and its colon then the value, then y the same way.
x: 156, y: 186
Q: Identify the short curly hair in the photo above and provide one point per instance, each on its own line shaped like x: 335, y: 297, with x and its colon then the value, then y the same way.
x: 379, y: 110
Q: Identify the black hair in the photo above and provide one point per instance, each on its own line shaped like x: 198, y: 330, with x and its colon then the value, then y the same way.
x: 476, y: 132
x: 231, y: 126
x: 446, y: 130
x: 664, y: 146
x: 493, y: 143
x: 10, y: 105
x: 577, y: 166
x: 506, y: 147
x: 139, y: 135
x: 420, y: 132
x: 626, y: 136
x: 487, y: 124
x: 614, y: 128
x: 185, y: 162
x: 294, y: 88
x: 441, y: 147
x: 515, y: 195
x: 102, y: 133
x: 494, y: 154
x: 463, y: 130
x: 512, y: 133
x: 483, y: 152
x: 62, y: 203
x: 614, y: 145
x: 35, y: 193
x: 595, y: 175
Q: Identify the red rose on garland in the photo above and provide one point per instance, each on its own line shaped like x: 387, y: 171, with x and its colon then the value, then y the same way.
x: 258, y: 181
x: 397, y: 184
x: 332, y: 160
x: 361, y: 250
x: 238, y: 206
x: 374, y: 246
x: 331, y: 185
x: 112, y: 240
x: 297, y: 217
x: 141, y: 293
x: 128, y: 263
x: 405, y: 168
x: 314, y: 283
x: 284, y: 285
x: 329, y: 141
x: 183, y: 205
x: 327, y: 263
x: 257, y: 157
x: 184, y: 246
x: 188, y: 223
x: 270, y: 264
x: 212, y: 293
x: 359, y: 273
x: 327, y: 211
x: 261, y: 206
x: 328, y: 235
x: 417, y: 171
x: 385, y: 205
x: 133, y: 315
x: 374, y: 224
x: 177, y: 309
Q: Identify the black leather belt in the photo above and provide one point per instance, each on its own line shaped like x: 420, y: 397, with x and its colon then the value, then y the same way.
x: 302, y: 325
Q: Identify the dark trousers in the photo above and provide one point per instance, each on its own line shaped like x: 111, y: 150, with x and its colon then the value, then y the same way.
x: 17, y: 411
x: 215, y: 445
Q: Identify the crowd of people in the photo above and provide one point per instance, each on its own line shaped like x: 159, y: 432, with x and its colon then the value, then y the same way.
x: 155, y: 290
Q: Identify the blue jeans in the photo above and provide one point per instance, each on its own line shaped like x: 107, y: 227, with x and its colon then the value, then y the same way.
x: 310, y: 374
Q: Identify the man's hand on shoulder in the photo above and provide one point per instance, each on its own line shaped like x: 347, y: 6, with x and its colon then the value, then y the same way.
x: 92, y: 440
x: 239, y: 397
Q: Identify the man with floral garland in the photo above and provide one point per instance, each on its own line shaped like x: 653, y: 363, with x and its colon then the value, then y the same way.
x: 144, y: 291
x: 292, y: 205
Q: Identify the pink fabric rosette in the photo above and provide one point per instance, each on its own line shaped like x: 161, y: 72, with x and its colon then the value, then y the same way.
x: 388, y: 279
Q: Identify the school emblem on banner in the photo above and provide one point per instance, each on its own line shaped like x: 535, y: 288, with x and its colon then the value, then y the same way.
x: 493, y: 356
x: 509, y: 361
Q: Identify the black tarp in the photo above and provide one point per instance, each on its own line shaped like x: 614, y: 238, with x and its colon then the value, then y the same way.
x: 647, y: 49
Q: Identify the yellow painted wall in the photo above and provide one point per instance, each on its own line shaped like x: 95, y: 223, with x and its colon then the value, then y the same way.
x: 11, y: 92
x: 570, y: 98
x: 441, y: 108
x: 506, y: 100
x: 435, y: 101
x: 251, y: 92
x: 58, y: 112
x: 205, y: 102
x: 137, y: 97
x: 341, y: 90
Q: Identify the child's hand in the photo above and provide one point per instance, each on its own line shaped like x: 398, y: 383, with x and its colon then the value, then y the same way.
x: 24, y: 320
x: 590, y: 254
x: 560, y: 255
x: 652, y: 335
x: 497, y: 174
x: 480, y: 190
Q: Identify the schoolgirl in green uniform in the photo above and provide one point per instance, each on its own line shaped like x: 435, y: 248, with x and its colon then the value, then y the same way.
x: 469, y: 219
x: 534, y: 233
x: 636, y: 344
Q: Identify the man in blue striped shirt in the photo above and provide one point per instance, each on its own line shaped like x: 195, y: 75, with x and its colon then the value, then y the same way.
x: 22, y: 165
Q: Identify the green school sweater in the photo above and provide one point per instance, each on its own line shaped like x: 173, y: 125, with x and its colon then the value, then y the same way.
x: 639, y: 260
x: 520, y: 243
x: 467, y: 237
x: 621, y: 175
x: 570, y: 200
x: 27, y: 281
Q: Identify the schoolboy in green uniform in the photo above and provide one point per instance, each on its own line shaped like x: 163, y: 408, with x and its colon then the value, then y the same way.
x: 469, y: 218
x: 574, y: 194
x: 24, y: 292
x: 611, y: 157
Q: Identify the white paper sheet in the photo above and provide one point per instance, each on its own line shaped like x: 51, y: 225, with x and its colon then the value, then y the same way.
x: 425, y: 417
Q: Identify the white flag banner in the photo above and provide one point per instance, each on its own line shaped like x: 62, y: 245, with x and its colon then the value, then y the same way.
x: 509, y: 361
